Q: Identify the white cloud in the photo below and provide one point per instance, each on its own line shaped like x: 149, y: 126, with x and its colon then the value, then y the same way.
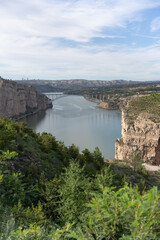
x: 155, y: 25
x: 86, y: 62
x: 75, y: 20
x: 32, y: 33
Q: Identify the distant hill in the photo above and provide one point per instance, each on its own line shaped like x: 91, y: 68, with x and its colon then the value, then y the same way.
x: 62, y: 85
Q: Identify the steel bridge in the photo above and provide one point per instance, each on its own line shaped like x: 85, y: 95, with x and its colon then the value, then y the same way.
x: 55, y: 95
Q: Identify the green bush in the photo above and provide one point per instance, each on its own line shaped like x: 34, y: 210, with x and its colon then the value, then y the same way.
x: 51, y: 192
x: 74, y: 194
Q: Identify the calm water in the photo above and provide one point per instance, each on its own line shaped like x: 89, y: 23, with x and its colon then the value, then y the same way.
x: 75, y: 120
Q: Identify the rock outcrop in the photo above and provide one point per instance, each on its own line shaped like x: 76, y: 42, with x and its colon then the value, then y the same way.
x: 108, y: 105
x: 17, y: 100
x: 141, y: 135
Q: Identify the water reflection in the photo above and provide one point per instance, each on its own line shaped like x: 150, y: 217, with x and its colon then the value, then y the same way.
x: 75, y: 120
x: 35, y: 119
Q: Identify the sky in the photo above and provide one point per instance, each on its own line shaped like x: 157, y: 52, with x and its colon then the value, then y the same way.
x: 80, y: 39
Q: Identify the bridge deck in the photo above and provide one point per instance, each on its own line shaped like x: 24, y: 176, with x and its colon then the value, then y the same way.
x: 55, y: 95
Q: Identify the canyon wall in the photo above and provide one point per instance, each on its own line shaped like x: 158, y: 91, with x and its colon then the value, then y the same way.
x: 17, y: 100
x: 142, y: 135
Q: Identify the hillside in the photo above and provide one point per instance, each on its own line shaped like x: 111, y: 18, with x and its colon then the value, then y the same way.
x: 71, y: 85
x: 52, y: 192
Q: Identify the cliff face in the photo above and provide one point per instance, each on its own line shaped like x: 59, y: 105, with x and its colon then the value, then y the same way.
x: 17, y: 100
x: 143, y: 135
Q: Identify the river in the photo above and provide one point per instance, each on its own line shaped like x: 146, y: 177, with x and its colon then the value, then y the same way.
x: 74, y: 120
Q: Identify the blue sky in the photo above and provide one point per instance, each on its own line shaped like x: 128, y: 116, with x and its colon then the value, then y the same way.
x: 87, y: 39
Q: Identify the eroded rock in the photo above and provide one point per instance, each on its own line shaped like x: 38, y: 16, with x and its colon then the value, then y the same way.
x: 142, y: 135
x: 17, y: 100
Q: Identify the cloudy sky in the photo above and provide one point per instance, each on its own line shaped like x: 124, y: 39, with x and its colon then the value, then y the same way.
x: 87, y: 39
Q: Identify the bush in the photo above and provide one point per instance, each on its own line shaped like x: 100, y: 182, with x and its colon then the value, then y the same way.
x: 74, y: 193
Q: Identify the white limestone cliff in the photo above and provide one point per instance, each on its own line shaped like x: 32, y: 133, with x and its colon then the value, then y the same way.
x: 143, y: 135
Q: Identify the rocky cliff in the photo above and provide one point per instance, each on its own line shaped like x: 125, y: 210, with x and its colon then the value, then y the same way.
x: 17, y: 100
x: 141, y: 130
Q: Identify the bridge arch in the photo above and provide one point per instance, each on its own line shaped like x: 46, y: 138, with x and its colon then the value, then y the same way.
x: 55, y: 95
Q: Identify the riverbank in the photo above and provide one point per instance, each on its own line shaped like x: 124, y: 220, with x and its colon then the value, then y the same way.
x: 103, y: 105
x: 92, y: 100
x: 100, y: 103
x: 113, y: 103
x: 109, y: 105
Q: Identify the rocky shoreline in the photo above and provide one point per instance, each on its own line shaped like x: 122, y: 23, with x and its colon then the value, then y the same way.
x: 100, y: 103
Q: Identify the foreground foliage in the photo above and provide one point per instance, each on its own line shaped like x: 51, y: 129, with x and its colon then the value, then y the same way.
x: 51, y: 192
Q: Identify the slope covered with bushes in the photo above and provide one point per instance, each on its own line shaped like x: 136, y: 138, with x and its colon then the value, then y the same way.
x: 49, y: 191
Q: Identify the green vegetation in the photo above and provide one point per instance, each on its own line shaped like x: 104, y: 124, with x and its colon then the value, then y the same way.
x: 113, y: 93
x: 149, y: 105
x: 117, y: 95
x: 50, y: 192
